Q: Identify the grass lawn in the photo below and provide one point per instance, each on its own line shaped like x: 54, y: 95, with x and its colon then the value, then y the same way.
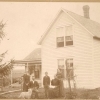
x: 88, y: 94
x: 15, y: 95
x: 81, y: 93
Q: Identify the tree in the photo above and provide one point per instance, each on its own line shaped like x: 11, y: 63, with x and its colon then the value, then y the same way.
x: 5, y: 68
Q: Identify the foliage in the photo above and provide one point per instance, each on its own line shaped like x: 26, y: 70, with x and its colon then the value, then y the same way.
x: 2, y: 25
x: 88, y: 93
x: 19, y: 80
x: 6, y: 67
x: 6, y: 81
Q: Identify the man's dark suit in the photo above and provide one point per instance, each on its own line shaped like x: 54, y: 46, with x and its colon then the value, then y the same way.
x: 34, y: 85
x: 46, y: 83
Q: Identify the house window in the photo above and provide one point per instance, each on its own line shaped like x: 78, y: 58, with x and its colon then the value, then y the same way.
x: 61, y: 66
x: 69, y: 68
x: 35, y: 69
x: 66, y: 66
x: 64, y: 36
x: 68, y: 36
x: 60, y: 37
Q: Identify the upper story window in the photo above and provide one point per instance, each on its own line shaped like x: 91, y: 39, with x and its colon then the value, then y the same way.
x: 60, y: 37
x: 64, y: 36
x: 68, y: 36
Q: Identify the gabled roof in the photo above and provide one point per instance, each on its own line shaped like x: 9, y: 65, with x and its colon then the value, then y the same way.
x: 34, y: 55
x: 91, y: 26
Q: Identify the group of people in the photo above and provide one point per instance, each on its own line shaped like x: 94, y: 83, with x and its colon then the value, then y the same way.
x: 55, y: 90
x: 27, y: 83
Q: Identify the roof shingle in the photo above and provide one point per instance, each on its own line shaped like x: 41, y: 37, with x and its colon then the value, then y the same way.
x: 90, y: 25
x: 34, y: 55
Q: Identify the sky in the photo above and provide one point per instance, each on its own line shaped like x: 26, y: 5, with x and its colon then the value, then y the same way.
x: 26, y: 22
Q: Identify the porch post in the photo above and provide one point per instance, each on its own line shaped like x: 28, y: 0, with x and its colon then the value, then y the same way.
x: 26, y: 67
x: 11, y: 77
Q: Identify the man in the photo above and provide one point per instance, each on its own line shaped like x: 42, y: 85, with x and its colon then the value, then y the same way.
x: 46, y: 83
x: 34, y: 86
x: 26, y: 80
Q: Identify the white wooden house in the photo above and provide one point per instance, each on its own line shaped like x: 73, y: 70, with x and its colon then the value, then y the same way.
x: 77, y: 39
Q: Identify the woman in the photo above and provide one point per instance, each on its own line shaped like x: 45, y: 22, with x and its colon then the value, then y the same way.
x: 61, y: 85
x: 54, y: 92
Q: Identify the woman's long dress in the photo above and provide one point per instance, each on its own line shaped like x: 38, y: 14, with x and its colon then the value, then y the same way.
x: 54, y: 92
x: 61, y: 85
x: 61, y: 89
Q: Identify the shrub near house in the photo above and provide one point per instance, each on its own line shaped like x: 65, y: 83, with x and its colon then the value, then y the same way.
x: 17, y: 73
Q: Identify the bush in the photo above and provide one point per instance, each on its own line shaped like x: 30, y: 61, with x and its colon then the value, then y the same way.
x: 84, y: 95
x: 88, y: 93
x: 3, y: 97
x: 73, y: 95
x: 15, y: 80
x: 6, y: 81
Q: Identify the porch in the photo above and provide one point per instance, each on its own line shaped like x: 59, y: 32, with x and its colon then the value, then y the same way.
x: 33, y: 67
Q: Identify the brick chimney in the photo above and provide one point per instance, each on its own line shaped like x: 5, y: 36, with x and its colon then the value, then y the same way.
x: 86, y: 11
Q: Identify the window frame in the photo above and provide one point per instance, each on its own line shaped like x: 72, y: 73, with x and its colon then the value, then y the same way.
x: 60, y: 37
x: 39, y: 71
x: 35, y: 65
x: 71, y: 68
x: 64, y: 26
x: 68, y: 40
x: 65, y: 76
x: 63, y: 64
x: 60, y: 42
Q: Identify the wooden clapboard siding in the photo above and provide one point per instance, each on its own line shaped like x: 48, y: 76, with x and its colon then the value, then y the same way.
x: 96, y: 61
x: 81, y: 52
x: 83, y: 57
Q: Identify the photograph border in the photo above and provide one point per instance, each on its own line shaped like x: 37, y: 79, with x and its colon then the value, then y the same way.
x: 50, y: 1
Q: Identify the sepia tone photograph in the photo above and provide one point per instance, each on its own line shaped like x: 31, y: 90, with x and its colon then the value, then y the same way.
x: 49, y: 50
